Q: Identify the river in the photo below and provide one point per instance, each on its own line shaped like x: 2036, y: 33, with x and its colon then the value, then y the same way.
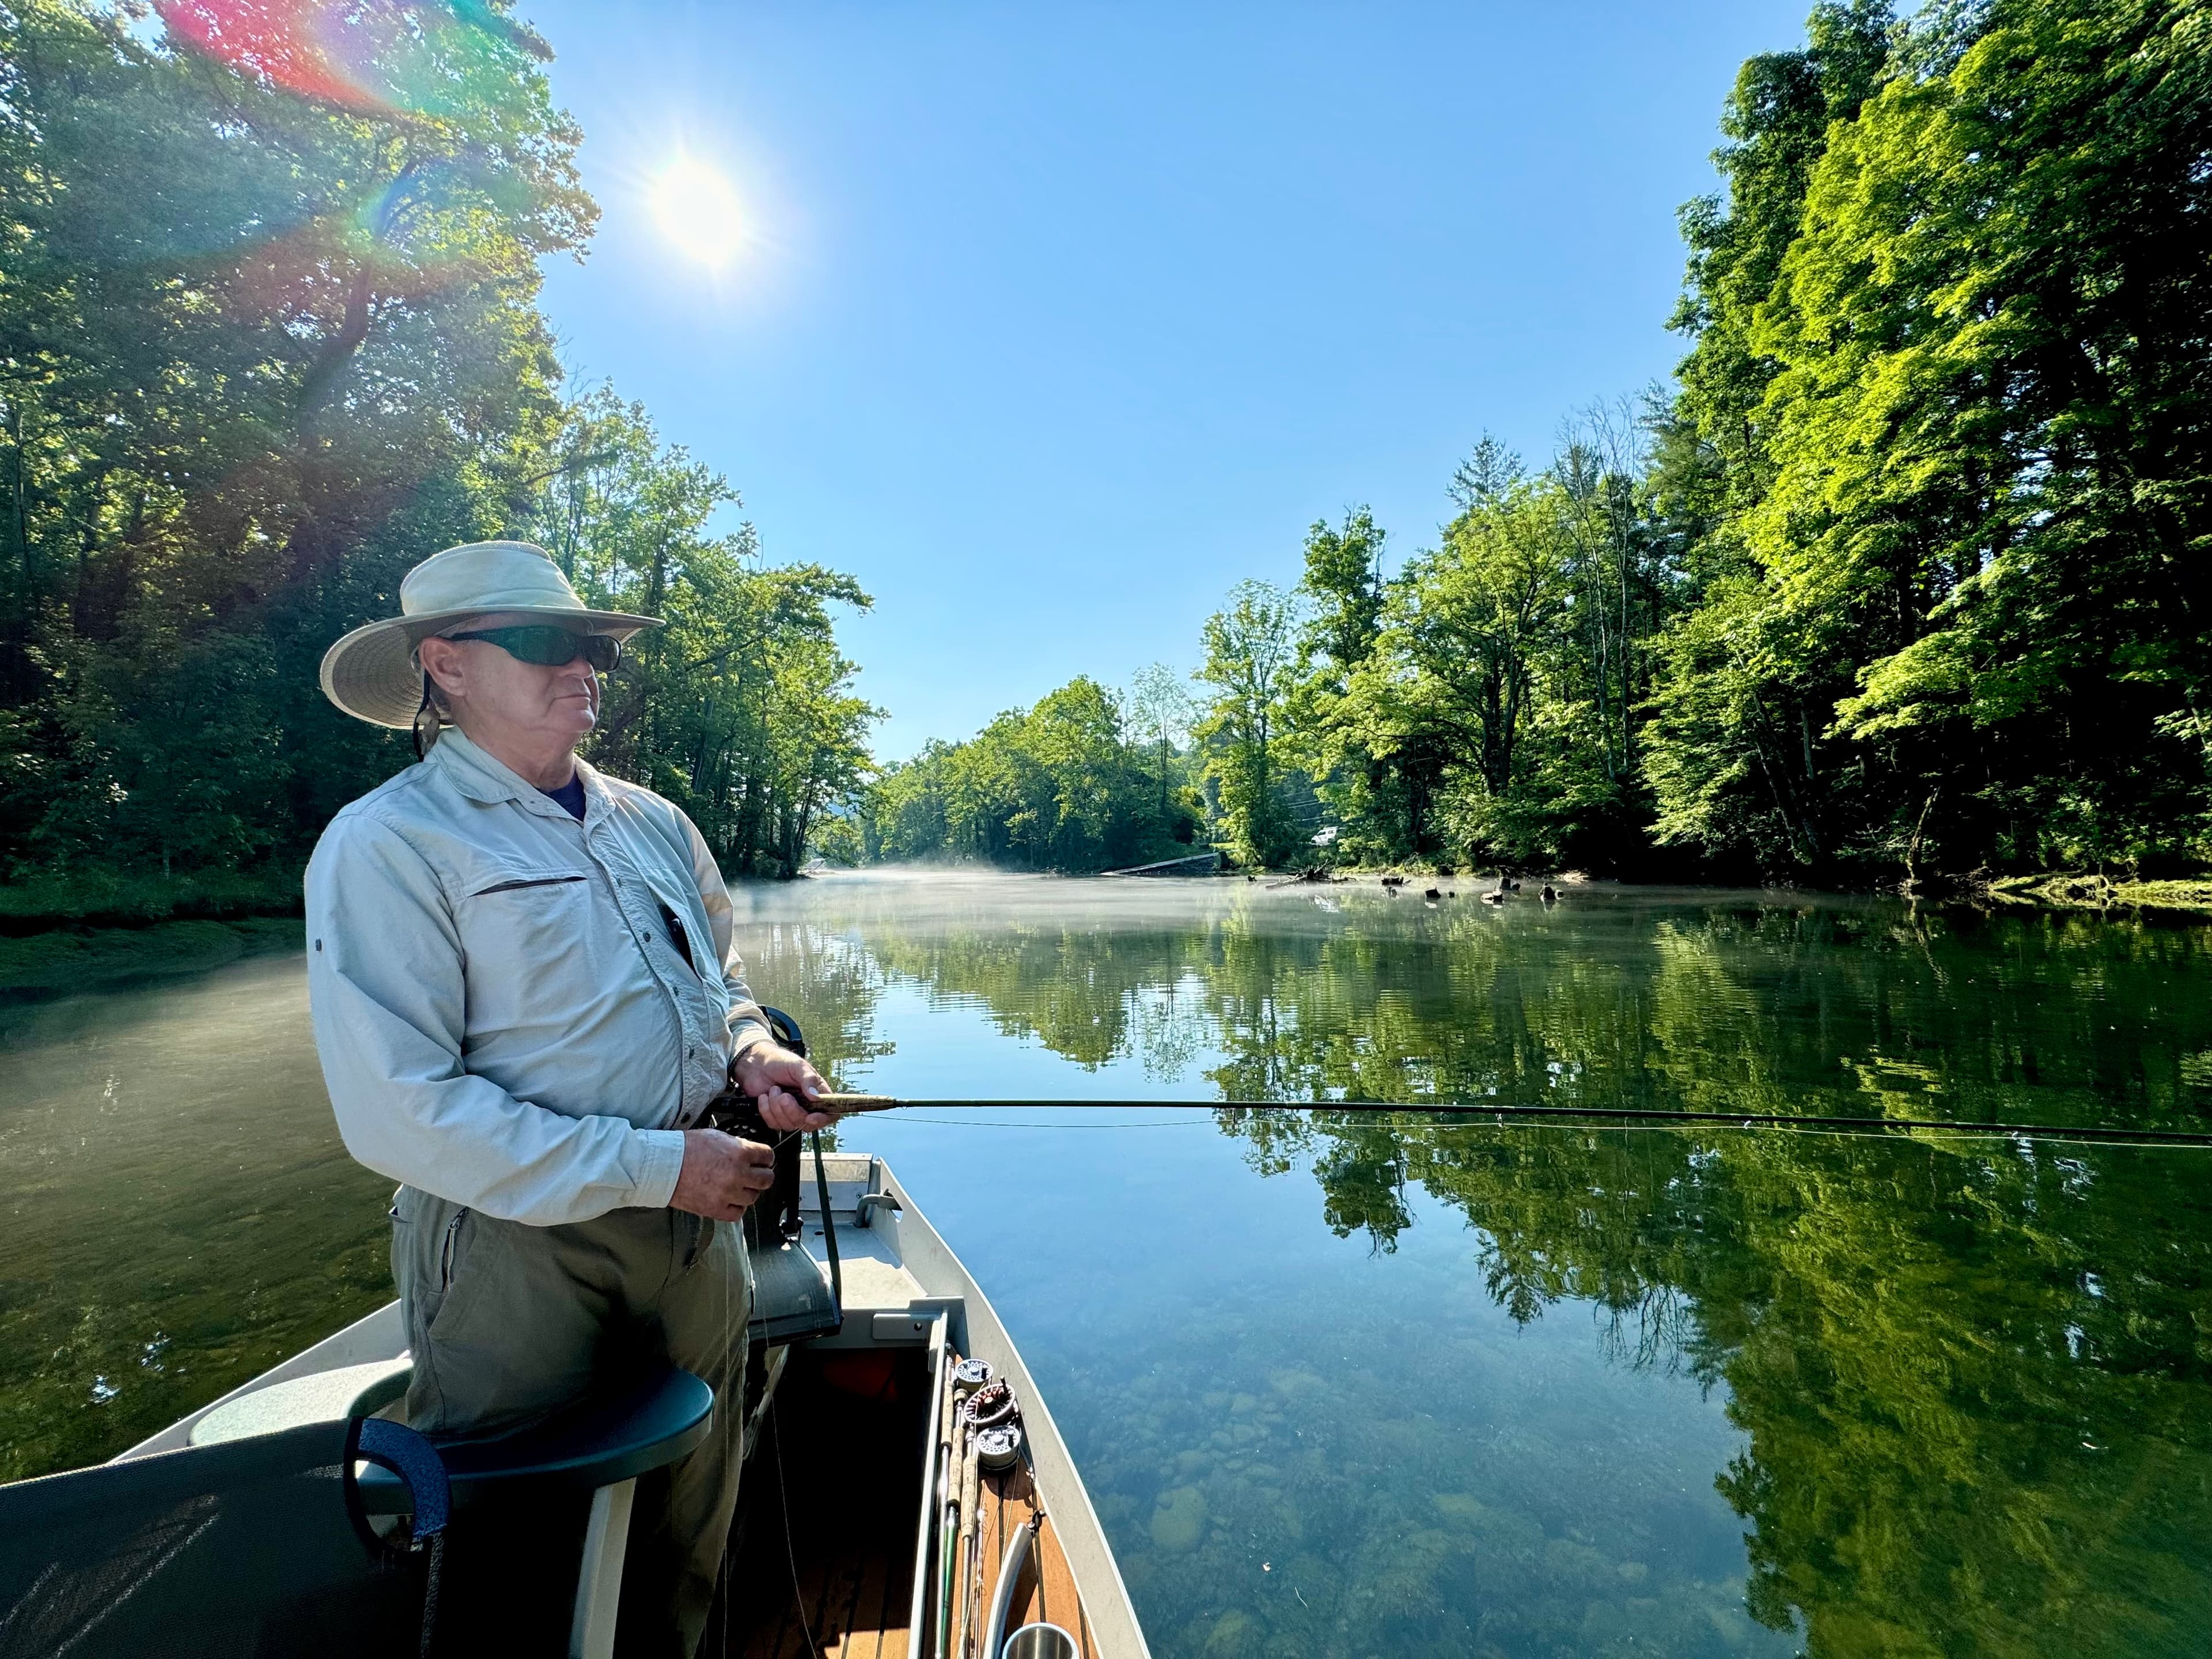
x: 1359, y: 1388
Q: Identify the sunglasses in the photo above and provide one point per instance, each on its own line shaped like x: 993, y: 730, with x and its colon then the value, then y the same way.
x: 548, y: 647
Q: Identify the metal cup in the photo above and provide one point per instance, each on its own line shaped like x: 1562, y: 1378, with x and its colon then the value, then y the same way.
x: 1040, y: 1641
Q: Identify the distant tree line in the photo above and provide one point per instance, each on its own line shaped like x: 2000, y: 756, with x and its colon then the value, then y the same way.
x: 268, y: 336
x: 1909, y: 574
x: 1078, y: 782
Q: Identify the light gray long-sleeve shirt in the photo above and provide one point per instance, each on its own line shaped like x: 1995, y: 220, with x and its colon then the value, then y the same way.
x: 500, y: 995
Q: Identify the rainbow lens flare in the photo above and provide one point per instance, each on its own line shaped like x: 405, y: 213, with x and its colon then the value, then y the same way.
x: 390, y: 58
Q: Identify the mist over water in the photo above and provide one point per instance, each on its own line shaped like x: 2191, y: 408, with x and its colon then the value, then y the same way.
x: 1349, y: 1386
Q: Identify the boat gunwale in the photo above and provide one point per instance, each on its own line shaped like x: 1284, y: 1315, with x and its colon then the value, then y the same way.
x: 970, y: 1323
x: 1061, y: 1493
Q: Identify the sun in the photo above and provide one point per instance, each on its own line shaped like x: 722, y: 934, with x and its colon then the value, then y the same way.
x: 697, y: 211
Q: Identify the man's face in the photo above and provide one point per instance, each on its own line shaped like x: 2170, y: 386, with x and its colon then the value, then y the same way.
x: 510, y: 698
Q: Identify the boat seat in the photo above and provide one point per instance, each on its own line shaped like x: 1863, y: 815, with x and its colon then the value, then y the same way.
x: 616, y: 1440
x: 602, y: 1445
x: 792, y: 1297
x: 600, y: 1449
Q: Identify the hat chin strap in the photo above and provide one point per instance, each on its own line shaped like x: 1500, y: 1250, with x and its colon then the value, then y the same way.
x: 427, y: 722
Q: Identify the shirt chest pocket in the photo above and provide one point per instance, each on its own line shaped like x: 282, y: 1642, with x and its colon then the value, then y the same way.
x: 527, y: 916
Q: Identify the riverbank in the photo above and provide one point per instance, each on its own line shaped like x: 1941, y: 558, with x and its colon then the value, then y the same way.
x: 113, y: 898
x: 64, y: 960
x: 2049, y: 890
x: 101, y: 928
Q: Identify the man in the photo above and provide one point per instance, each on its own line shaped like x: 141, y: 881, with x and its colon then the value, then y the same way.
x: 525, y: 995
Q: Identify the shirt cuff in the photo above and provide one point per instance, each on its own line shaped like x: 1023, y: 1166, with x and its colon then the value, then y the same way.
x: 746, y: 1035
x: 661, y: 1157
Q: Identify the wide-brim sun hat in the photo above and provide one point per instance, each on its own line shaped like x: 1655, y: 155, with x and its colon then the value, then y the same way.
x: 372, y: 673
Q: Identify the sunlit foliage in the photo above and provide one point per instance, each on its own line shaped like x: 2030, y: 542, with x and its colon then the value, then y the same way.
x: 269, y: 337
x: 1906, y: 576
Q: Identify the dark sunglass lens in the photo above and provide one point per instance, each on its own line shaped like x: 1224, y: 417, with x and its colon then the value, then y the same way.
x: 547, y: 648
x: 551, y: 647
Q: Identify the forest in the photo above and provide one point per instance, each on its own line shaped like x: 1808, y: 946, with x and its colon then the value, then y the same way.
x: 1902, y: 580
x: 269, y: 336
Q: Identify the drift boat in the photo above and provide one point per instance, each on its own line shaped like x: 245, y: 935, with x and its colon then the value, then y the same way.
x: 906, y: 1493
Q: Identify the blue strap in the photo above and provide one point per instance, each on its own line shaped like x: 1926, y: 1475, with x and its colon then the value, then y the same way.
x: 416, y: 1462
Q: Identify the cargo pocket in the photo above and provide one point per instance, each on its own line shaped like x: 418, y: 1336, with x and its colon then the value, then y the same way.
x: 454, y: 1282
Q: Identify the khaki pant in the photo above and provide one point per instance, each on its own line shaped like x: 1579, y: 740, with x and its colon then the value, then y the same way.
x: 510, y: 1323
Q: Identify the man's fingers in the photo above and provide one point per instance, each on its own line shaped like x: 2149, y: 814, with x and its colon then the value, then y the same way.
x: 756, y: 1168
x: 779, y: 1109
x: 721, y: 1175
x: 794, y: 1108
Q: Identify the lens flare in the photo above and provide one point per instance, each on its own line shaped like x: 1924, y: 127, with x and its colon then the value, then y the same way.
x: 448, y: 70
x: 392, y: 58
x: 697, y: 211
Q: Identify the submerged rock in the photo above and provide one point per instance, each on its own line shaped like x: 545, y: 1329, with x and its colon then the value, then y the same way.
x: 1179, y: 1521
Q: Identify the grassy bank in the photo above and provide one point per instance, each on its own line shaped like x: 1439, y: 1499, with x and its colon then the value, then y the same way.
x: 89, y: 930
x: 113, y: 898
x: 63, y: 960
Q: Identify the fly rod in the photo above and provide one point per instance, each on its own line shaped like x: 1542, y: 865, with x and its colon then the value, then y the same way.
x: 1595, y: 1116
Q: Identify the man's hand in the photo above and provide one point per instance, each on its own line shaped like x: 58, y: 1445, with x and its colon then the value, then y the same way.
x: 721, y: 1175
x: 784, y: 1087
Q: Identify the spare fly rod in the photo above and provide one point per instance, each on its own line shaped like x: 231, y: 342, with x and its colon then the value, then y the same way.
x: 1594, y: 1116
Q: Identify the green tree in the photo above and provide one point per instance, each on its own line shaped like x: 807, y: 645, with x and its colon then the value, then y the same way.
x: 741, y: 710
x: 1945, y: 425
x: 1380, y: 801
x: 1160, y: 714
x: 1251, y: 654
x: 268, y: 337
x: 1473, y: 627
x: 262, y: 348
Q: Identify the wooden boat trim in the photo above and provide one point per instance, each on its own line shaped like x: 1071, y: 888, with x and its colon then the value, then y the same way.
x: 979, y: 1331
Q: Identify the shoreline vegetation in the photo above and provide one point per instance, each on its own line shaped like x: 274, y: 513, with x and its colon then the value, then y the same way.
x: 115, y: 936
x: 66, y: 960
x: 1900, y: 585
x: 265, y: 351
x: 1897, y: 585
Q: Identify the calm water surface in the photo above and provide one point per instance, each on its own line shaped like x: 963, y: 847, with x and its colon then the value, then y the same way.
x: 1352, y: 1387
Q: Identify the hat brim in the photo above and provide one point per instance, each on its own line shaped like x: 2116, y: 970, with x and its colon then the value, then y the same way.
x: 371, y: 675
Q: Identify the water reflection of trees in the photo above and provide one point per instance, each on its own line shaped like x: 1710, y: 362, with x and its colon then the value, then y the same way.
x: 1973, y: 1375
x: 1710, y: 1008
x: 825, y: 982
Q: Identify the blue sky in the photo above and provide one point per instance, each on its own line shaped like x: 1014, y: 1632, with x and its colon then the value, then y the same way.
x: 1052, y: 322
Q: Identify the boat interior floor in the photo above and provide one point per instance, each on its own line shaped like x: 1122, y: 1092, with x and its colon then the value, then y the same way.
x: 821, y: 1559
x: 821, y: 1563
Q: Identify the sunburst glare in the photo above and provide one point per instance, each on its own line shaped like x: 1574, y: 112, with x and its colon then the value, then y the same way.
x: 697, y: 211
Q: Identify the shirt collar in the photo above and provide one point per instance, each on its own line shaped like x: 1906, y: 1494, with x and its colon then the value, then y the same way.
x: 484, y: 779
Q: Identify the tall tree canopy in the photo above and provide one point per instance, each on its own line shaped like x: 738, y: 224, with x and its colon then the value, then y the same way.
x: 1956, y: 383
x: 268, y: 336
x: 1251, y: 655
x: 1907, y: 574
